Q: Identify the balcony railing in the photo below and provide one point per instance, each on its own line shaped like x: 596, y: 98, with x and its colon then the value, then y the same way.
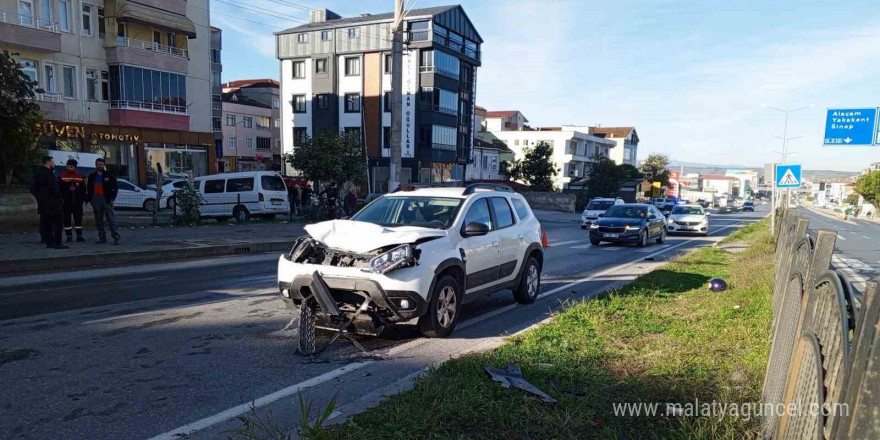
x: 49, y: 97
x: 155, y: 47
x: 149, y: 107
x: 437, y: 108
x: 29, y: 21
x: 449, y: 147
x: 443, y: 40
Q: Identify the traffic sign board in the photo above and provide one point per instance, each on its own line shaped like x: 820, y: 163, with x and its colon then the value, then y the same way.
x: 857, y: 126
x: 788, y: 176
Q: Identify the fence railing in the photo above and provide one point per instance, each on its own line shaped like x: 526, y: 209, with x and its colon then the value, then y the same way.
x: 155, y: 47
x: 825, y: 343
x: 29, y: 21
x: 148, y: 106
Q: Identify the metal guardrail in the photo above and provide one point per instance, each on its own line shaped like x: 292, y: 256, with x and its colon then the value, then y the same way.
x: 155, y: 47
x: 149, y: 106
x: 825, y: 346
x: 29, y: 21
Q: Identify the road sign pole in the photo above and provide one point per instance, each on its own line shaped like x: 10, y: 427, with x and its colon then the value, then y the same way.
x: 773, y: 204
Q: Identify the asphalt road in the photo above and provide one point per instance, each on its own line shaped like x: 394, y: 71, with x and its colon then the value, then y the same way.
x: 857, y: 249
x: 149, y: 352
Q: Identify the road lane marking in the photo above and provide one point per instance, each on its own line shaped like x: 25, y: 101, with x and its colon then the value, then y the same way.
x: 236, y: 411
x: 865, y: 236
x: 841, y: 237
x: 563, y: 243
x: 583, y: 246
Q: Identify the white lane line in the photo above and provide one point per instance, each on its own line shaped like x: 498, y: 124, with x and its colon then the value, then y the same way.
x: 865, y: 236
x: 583, y: 246
x: 841, y: 237
x: 610, y: 248
x: 236, y: 411
x: 563, y: 243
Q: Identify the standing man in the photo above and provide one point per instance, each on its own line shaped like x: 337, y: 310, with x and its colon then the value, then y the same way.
x: 49, y: 203
x: 101, y: 190
x: 73, y: 191
x: 350, y: 202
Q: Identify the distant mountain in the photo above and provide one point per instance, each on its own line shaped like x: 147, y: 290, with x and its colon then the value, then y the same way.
x: 705, y: 168
x: 679, y: 164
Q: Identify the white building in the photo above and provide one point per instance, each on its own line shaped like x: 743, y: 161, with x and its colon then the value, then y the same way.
x: 721, y: 185
x: 504, y: 120
x: 627, y: 143
x: 748, y: 180
x: 573, y: 148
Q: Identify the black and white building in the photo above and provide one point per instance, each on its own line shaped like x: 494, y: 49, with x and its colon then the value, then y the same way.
x: 336, y: 75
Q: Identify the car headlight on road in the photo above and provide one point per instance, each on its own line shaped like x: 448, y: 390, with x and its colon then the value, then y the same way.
x: 594, y: 226
x: 392, y: 259
x: 633, y: 228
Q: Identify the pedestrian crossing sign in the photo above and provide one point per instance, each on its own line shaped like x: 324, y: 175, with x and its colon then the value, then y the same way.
x: 788, y: 176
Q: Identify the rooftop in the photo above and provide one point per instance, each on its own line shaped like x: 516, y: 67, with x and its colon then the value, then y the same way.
x: 615, y: 132
x: 502, y: 114
x: 231, y: 86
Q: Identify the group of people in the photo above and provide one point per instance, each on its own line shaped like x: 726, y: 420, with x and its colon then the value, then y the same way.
x: 60, y: 202
x: 301, y: 196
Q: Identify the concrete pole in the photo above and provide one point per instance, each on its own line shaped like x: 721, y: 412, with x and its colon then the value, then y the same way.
x: 396, y: 96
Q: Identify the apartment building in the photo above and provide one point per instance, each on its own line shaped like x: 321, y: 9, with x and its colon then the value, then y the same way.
x: 505, y: 120
x: 251, y: 125
x: 126, y: 79
x: 336, y: 75
x: 627, y: 143
x: 217, y: 91
x: 574, y: 148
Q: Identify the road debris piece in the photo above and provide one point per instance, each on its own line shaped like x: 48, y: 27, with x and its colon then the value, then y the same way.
x: 512, y: 376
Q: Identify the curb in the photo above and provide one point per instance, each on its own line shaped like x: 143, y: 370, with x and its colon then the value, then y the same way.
x: 36, y: 265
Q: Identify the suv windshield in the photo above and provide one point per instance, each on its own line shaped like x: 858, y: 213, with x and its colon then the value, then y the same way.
x: 599, y: 205
x: 623, y: 211
x: 426, y: 212
x: 687, y: 210
x: 749, y: 204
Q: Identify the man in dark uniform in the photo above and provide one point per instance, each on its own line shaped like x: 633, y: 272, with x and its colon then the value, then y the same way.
x: 73, y: 191
x: 350, y: 202
x: 49, y: 203
x: 332, y: 194
x: 101, y: 191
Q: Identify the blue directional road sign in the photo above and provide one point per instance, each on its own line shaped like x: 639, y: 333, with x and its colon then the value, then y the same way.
x: 856, y: 126
x: 788, y: 176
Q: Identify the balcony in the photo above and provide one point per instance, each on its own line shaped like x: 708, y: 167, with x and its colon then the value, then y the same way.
x: 147, y: 54
x: 29, y: 32
x: 148, y: 115
x: 51, y: 105
x: 436, y: 108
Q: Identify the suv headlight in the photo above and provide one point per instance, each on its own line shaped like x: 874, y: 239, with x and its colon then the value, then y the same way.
x: 633, y: 228
x: 392, y: 259
x: 594, y: 226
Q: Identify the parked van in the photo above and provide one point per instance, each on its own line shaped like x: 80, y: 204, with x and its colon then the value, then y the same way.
x: 242, y: 195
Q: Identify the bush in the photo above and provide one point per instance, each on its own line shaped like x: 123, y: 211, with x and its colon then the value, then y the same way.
x: 188, y: 205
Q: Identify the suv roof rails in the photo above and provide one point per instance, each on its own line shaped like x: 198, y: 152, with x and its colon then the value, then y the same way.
x: 415, y: 186
x: 472, y: 188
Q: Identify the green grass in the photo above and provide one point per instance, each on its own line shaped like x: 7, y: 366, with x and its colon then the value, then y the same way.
x: 664, y: 338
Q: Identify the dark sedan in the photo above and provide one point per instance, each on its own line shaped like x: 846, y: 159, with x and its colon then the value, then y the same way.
x: 749, y: 206
x: 629, y: 223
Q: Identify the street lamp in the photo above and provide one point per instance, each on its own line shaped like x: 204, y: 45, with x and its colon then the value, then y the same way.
x: 785, y: 140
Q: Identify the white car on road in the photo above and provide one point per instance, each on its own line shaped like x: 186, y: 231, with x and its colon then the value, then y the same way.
x: 130, y: 196
x: 412, y: 254
x: 689, y: 219
x: 597, y: 208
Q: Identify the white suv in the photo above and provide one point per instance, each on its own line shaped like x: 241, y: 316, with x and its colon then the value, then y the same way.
x: 597, y: 208
x: 417, y: 253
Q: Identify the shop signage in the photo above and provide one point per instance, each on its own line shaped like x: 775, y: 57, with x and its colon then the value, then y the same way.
x: 79, y: 131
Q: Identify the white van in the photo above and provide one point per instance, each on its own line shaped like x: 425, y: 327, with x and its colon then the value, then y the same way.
x: 242, y: 195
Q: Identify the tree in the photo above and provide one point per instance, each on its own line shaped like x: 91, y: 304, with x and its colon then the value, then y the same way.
x: 654, y: 168
x: 330, y: 156
x: 604, y: 178
x: 536, y: 169
x: 852, y: 199
x: 19, y: 115
x: 868, y: 186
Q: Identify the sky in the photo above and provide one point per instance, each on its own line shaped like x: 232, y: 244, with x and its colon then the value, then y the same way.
x: 691, y: 75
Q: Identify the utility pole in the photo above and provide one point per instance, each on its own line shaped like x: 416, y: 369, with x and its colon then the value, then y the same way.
x: 396, y: 96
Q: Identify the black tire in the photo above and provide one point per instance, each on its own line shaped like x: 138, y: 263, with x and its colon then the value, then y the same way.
x: 429, y: 324
x: 530, y: 284
x: 643, y: 241
x: 149, y: 205
x: 241, y: 214
x: 583, y: 227
x: 307, y: 328
x: 662, y: 238
x: 595, y: 242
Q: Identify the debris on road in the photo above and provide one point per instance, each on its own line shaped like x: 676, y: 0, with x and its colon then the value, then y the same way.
x: 512, y: 376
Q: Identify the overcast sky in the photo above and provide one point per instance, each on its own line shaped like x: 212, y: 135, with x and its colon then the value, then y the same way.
x: 689, y: 75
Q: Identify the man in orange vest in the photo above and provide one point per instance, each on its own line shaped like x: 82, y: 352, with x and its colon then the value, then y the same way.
x: 73, y: 191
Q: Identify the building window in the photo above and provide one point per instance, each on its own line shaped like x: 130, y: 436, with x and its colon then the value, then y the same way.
x: 64, y: 15
x: 494, y: 163
x: 46, y: 11
x: 247, y: 122
x: 91, y: 85
x: 321, y: 65
x: 277, y: 144
x: 136, y: 87
x: 418, y: 30
x: 49, y: 78
x: 326, y: 35
x: 426, y: 61
x: 172, y: 39
x: 302, y: 38
x: 233, y: 142
x: 217, y: 124
x: 300, y: 136
x: 29, y: 68
x: 215, y: 56
x: 323, y: 101
x: 215, y: 78
x: 299, y: 103
x: 102, y: 25
x: 249, y: 143
x: 446, y: 64
x: 105, y: 85
x: 387, y: 101
x: 68, y: 78
x: 230, y: 120
x: 386, y: 137
x: 263, y: 122
x: 387, y: 64
x: 439, y: 137
x: 277, y: 122
x: 354, y: 32
x: 440, y: 100
x: 87, y: 20
x: 299, y: 69
x: 352, y: 66
x: 264, y: 143
x: 352, y: 103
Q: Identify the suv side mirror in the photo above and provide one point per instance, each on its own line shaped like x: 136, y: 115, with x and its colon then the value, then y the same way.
x: 474, y: 229
x: 601, y: 214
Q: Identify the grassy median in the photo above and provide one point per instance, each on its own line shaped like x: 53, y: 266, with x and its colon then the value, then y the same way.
x: 663, y: 339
